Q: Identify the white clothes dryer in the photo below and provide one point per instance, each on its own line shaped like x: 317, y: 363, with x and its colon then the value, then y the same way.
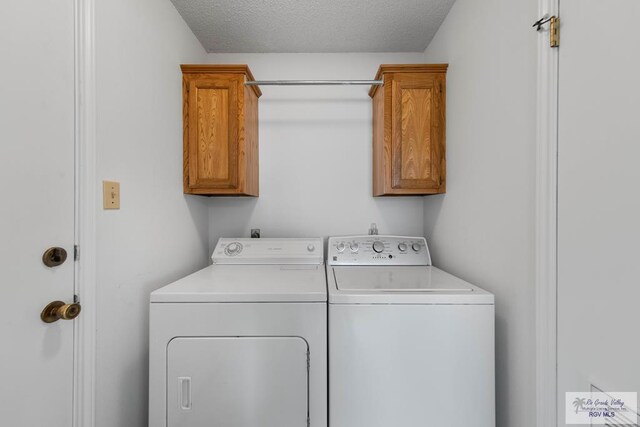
x: 243, y: 342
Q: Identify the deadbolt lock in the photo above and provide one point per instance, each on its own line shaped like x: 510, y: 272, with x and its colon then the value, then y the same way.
x: 57, y: 310
x: 54, y: 257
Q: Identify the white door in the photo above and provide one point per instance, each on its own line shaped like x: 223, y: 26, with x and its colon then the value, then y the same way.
x: 237, y: 382
x: 598, y: 197
x: 36, y: 209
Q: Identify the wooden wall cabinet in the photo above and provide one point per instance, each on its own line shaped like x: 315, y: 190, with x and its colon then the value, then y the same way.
x: 409, y: 130
x: 220, y: 124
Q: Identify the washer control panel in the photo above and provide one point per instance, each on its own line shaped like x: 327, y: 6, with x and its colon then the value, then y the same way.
x: 378, y: 250
x: 268, y: 251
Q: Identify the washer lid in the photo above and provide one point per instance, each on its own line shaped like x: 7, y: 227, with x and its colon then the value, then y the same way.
x: 248, y: 283
x: 402, y: 285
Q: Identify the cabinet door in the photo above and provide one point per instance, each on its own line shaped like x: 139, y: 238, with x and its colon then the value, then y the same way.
x: 417, y: 140
x: 237, y: 382
x: 213, y: 131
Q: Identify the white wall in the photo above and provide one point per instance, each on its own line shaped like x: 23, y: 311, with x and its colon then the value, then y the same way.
x: 315, y: 153
x: 482, y: 229
x: 159, y: 234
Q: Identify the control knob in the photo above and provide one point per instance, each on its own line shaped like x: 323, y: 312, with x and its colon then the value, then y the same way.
x: 378, y: 246
x: 233, y: 248
x: 416, y: 247
x: 340, y: 247
x: 354, y: 247
x: 402, y: 247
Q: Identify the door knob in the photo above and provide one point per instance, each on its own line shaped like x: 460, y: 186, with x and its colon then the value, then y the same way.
x: 57, y: 310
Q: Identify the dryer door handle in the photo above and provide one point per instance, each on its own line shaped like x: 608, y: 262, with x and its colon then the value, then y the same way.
x: 184, y: 393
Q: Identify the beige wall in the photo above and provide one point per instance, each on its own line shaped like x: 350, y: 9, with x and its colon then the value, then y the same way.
x: 315, y: 153
x: 158, y: 235
x: 483, y: 228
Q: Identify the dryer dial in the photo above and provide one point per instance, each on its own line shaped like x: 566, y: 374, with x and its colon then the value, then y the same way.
x: 233, y: 249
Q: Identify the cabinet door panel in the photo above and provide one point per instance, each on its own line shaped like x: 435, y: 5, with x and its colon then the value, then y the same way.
x: 417, y: 135
x: 415, y: 139
x: 213, y: 134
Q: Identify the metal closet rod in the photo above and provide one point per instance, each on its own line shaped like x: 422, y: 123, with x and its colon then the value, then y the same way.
x: 314, y: 82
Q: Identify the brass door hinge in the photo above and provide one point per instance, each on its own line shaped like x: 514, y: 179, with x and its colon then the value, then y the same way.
x: 554, y: 32
x: 554, y: 29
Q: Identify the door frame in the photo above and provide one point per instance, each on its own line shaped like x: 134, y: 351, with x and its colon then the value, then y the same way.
x: 546, y: 218
x: 546, y: 214
x: 85, y: 214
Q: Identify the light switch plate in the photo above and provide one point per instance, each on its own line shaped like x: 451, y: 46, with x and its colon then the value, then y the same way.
x: 111, y: 194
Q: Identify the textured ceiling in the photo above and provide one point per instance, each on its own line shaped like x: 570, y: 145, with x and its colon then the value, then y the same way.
x: 314, y: 25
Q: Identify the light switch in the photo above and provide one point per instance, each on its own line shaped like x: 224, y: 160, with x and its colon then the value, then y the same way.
x: 111, y: 194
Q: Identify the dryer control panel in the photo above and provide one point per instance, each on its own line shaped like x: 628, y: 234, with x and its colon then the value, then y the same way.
x: 378, y: 250
x: 268, y: 251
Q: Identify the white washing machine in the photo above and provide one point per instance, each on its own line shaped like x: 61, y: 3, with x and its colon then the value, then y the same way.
x: 409, y: 345
x: 243, y: 343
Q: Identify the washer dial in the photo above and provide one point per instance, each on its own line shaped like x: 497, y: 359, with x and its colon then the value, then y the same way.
x: 378, y: 246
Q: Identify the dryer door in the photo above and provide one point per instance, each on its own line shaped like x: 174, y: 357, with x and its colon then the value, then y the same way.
x: 237, y: 382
